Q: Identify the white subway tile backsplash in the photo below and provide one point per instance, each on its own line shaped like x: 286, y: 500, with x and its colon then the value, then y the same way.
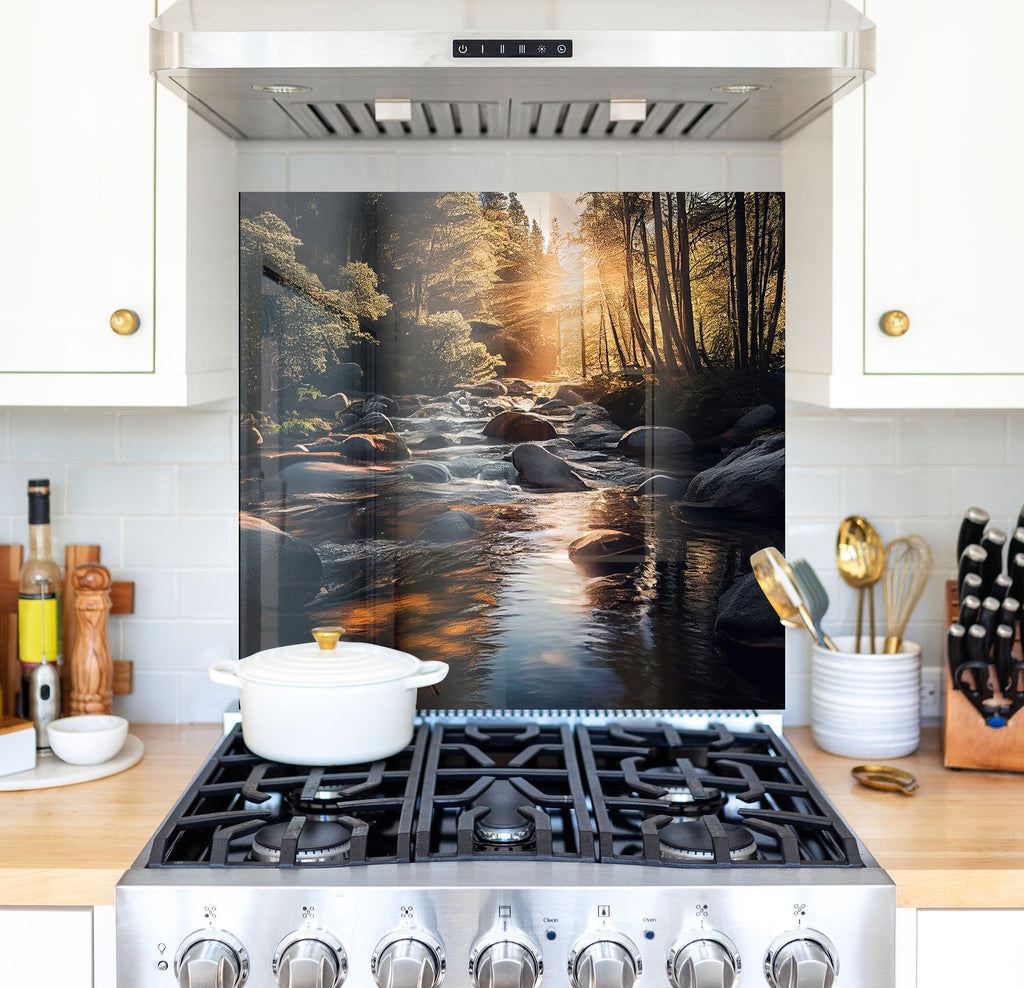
x: 76, y: 437
x: 101, y: 530
x: 363, y: 172
x: 812, y: 540
x: 999, y: 490
x: 811, y: 492
x: 841, y: 440
x: 897, y: 492
x: 582, y: 171
x: 175, y: 437
x: 673, y: 172
x: 117, y: 489
x: 440, y: 172
x: 203, y: 701
x: 156, y: 591
x: 1015, y: 439
x: 926, y: 440
x: 209, y: 490
x: 155, y: 698
x: 178, y: 645
x: 180, y: 541
x: 209, y: 593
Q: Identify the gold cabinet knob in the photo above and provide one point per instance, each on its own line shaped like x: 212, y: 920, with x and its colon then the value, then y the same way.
x: 327, y: 636
x: 124, y: 322
x: 895, y: 323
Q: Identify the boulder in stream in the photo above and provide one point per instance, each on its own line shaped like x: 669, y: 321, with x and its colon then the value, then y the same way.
x: 653, y: 441
x: 746, y: 618
x: 606, y: 550
x: 539, y: 468
x: 520, y: 427
x: 377, y: 447
x: 749, y: 482
x: 450, y: 526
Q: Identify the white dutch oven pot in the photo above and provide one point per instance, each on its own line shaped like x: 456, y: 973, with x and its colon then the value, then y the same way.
x: 325, y: 703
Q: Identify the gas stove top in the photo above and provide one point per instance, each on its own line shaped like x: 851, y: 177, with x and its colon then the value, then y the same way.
x: 642, y: 793
x: 491, y: 852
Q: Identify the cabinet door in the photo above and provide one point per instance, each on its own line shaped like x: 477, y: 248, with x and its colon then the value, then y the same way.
x: 46, y: 947
x: 954, y: 947
x: 77, y: 190
x: 944, y: 147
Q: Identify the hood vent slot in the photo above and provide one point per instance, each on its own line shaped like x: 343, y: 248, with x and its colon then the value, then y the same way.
x: 582, y: 119
x: 433, y: 119
x: 571, y: 120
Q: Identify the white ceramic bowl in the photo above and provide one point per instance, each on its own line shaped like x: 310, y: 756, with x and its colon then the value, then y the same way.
x: 88, y: 739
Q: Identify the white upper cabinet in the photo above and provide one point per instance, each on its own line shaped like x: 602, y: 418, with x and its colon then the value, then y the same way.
x: 99, y: 217
x: 904, y: 200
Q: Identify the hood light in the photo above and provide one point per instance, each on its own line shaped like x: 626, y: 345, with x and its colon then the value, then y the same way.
x: 281, y: 90
x: 741, y: 89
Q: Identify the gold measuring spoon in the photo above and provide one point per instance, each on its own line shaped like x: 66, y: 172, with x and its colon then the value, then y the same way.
x: 885, y: 777
x: 860, y: 559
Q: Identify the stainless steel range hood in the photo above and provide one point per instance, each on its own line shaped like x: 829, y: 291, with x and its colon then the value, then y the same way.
x: 496, y: 69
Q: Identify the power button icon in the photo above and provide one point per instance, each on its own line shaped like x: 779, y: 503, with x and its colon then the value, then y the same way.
x: 463, y: 49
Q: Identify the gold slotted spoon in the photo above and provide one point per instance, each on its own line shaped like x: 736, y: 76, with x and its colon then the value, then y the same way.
x: 860, y: 559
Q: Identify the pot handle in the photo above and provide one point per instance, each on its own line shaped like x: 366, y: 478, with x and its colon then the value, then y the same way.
x: 430, y: 673
x: 224, y: 673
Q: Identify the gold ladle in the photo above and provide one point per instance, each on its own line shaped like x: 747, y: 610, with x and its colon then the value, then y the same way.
x: 776, y: 580
x: 860, y: 559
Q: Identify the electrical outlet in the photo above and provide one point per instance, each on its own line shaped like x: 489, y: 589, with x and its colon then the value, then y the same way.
x: 931, y: 694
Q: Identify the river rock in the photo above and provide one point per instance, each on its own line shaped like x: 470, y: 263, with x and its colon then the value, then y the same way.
x: 377, y: 447
x: 451, y: 526
x: 264, y: 548
x: 319, y: 476
x: 434, y: 440
x: 427, y: 472
x: 653, y: 441
x: 485, y: 389
x: 372, y: 422
x: 746, y: 618
x: 517, y: 388
x: 499, y: 471
x: 519, y: 427
x: 539, y: 468
x: 671, y: 487
x: 384, y: 404
x: 748, y: 483
x: 759, y: 417
x: 555, y: 407
x: 566, y: 395
x: 606, y: 550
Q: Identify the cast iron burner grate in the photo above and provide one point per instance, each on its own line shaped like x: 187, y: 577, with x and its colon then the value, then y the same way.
x: 616, y: 793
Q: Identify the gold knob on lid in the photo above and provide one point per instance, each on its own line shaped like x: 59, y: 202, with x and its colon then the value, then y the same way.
x: 327, y: 637
x: 124, y: 322
x: 895, y: 323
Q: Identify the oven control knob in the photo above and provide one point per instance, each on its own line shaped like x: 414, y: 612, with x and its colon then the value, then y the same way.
x: 211, y: 959
x: 801, y: 959
x: 413, y: 959
x: 608, y: 961
x: 505, y: 962
x: 707, y: 960
x: 310, y: 959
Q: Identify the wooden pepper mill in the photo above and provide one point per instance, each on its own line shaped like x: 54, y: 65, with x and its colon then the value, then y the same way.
x: 92, y: 670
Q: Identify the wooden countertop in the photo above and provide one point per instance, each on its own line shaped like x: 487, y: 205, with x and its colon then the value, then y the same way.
x: 958, y: 843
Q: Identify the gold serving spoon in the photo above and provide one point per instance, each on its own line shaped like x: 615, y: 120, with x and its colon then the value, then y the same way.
x: 860, y: 559
x: 776, y: 580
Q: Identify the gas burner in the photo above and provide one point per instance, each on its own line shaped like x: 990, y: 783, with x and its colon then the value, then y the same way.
x: 319, y: 843
x: 691, y: 841
x: 682, y: 802
x: 327, y: 803
x: 502, y: 824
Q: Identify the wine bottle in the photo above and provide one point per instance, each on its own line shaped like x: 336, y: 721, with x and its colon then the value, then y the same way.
x: 39, y: 593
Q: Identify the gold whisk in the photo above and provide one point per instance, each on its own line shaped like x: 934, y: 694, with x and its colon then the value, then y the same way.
x: 908, y: 564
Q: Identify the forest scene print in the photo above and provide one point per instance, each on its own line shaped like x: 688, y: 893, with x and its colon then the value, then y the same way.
x: 535, y: 436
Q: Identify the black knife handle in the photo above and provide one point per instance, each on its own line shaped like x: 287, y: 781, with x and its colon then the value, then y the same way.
x: 973, y: 524
x: 988, y: 618
x: 1016, y: 545
x: 1020, y: 518
x: 977, y: 661
x: 970, y: 608
x: 956, y: 653
x: 1009, y: 612
x: 1017, y: 576
x: 993, y: 542
x: 1001, y: 659
x: 971, y: 587
x: 1000, y: 587
x: 972, y: 560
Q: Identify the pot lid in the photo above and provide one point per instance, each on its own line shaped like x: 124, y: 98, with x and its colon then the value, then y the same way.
x: 327, y: 662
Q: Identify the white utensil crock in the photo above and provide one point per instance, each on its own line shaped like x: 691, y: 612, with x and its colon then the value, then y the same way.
x: 304, y: 705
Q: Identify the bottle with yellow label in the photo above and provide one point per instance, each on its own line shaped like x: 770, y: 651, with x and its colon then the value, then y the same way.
x: 39, y: 590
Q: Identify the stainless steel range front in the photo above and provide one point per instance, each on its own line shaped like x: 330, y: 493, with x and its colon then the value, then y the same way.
x: 497, y: 853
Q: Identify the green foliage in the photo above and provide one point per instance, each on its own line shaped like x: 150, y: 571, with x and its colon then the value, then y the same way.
x: 440, y: 352
x: 708, y: 406
x: 294, y: 326
x: 295, y: 429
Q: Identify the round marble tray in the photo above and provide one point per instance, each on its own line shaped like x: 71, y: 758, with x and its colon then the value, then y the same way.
x: 50, y: 771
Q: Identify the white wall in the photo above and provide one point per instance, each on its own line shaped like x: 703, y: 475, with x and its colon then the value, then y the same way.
x: 158, y: 490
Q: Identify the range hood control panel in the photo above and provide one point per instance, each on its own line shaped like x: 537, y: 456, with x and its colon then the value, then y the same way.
x: 514, y: 48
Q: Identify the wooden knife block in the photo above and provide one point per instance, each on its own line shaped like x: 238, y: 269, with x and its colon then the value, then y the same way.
x: 122, y: 597
x: 967, y: 741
